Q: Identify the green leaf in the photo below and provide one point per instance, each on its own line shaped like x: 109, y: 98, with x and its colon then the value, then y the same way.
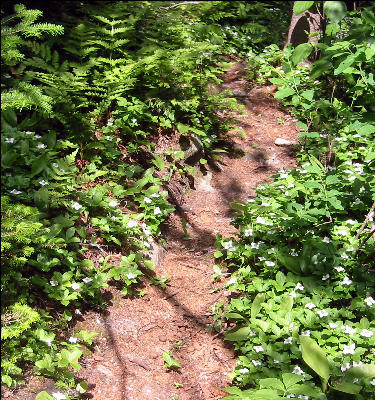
x: 283, y: 93
x: 335, y: 10
x: 8, y: 158
x: 44, y: 396
x: 301, y: 52
x: 218, y: 254
x: 41, y: 196
x: 314, y: 357
x: 233, y: 315
x: 238, y: 334
x: 347, y: 387
x: 256, y: 306
x: 363, y: 371
x: 347, y: 62
x: 287, y: 304
x: 183, y: 128
x: 290, y: 379
x: 300, y: 7
x: 158, y: 162
x: 82, y: 387
x: 308, y: 94
x: 264, y: 394
x: 271, y: 383
x: 39, y: 164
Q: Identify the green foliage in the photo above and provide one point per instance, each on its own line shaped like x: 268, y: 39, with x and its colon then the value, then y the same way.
x: 304, y: 260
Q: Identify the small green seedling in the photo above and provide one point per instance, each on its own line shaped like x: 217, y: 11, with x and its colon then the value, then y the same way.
x: 170, y: 362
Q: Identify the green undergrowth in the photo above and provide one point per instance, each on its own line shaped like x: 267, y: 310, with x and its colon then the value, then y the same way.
x: 86, y: 101
x: 302, y: 272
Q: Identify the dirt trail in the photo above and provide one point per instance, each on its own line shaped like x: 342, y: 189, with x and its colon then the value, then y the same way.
x: 127, y: 363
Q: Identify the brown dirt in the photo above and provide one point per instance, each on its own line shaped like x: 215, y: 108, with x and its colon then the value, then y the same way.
x: 127, y: 362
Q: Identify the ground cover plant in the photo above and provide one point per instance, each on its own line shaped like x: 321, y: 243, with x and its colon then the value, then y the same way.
x: 85, y: 98
x: 303, y: 268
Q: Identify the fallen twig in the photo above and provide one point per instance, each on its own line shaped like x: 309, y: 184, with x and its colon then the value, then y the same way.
x: 363, y: 226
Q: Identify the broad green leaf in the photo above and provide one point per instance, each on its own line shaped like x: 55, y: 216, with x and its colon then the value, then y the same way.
x: 233, y: 315
x: 44, y: 396
x: 308, y: 94
x: 39, y: 164
x: 8, y: 158
x: 300, y: 7
x: 264, y: 394
x: 82, y: 387
x: 271, y: 383
x: 280, y: 278
x: 183, y: 128
x: 290, y: 379
x: 335, y: 10
x: 287, y: 304
x: 348, y: 387
x: 283, y: 93
x: 159, y: 162
x: 301, y: 52
x: 363, y: 371
x: 314, y: 357
x: 238, y: 334
x: 257, y: 304
x: 347, y: 62
x: 218, y: 254
x: 41, y: 196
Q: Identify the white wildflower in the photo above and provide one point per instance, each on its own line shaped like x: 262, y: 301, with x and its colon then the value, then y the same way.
x: 130, y: 275
x: 261, y: 220
x: 132, y: 223
x: 29, y: 133
x: 347, y: 281
x: 157, y: 211
x: 75, y: 286
x: 41, y: 146
x: 357, y: 364
x: 370, y: 301
x: 112, y: 203
x: 59, y: 396
x: 9, y: 140
x: 339, y: 269
x: 76, y: 206
x: 147, y: 200
x: 345, y: 367
x: 248, y: 232
x: 73, y: 339
x: 276, y: 361
x: 293, y: 294
x: 53, y: 283
x: 243, y: 371
x: 87, y: 280
x: 297, y: 370
x: 258, y: 349
x: 310, y: 306
x: 15, y: 191
x: 326, y: 239
x: 322, y: 313
x: 299, y: 286
x: 43, y: 182
x: 134, y: 120
x: 350, y: 349
x: 349, y: 330
x: 269, y: 263
x: 366, y: 333
x: 305, y: 333
x: 256, y: 363
x: 37, y: 137
x: 232, y: 281
x: 333, y: 325
x: 289, y: 340
x: 229, y: 246
x: 372, y: 382
x: 325, y: 277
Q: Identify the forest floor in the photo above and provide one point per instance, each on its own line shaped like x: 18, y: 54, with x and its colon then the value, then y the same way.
x: 127, y: 362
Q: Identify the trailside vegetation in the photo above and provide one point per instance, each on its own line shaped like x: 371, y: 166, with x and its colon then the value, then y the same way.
x: 86, y: 98
x: 303, y: 268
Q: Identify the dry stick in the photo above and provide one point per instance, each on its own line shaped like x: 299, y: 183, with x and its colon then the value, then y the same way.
x: 363, y: 226
x: 371, y: 233
x: 180, y: 4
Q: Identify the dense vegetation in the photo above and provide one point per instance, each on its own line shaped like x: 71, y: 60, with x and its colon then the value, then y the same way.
x: 86, y: 100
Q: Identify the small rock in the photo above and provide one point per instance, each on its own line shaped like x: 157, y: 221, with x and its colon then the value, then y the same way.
x: 239, y: 93
x: 282, y: 142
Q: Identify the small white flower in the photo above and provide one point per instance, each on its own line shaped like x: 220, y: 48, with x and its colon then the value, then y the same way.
x: 132, y: 223
x: 345, y: 367
x: 310, y: 306
x: 357, y: 364
x: 232, y: 281
x: 347, y: 281
x: 289, y: 340
x: 372, y: 382
x: 276, y: 361
x: 305, y: 333
x: 355, y: 380
x: 293, y: 294
x: 261, y: 220
x: 55, y: 165
x: 48, y: 341
x: 229, y: 246
x: 157, y: 211
x: 43, y: 182
x: 41, y: 146
x: 256, y: 363
x: 73, y: 339
x: 339, y: 269
x: 366, y: 333
x: 342, y: 232
x: 351, y: 222
x: 147, y: 200
x: 349, y: 330
x: 109, y: 138
x: 299, y: 286
x: 15, y: 191
x: 29, y: 133
x: 134, y: 120
x: 258, y: 349
x: 112, y: 203
x: 350, y: 349
x: 297, y: 370
x: 248, y: 232
x: 333, y: 325
x: 269, y: 263
x: 130, y: 275
x: 370, y: 301
x: 87, y: 280
x: 76, y: 206
x: 37, y: 136
x: 75, y: 286
x: 290, y: 396
x: 243, y: 371
x: 59, y: 396
x: 147, y: 244
x: 53, y: 283
x: 322, y: 313
x: 326, y: 239
x: 325, y: 277
x: 9, y: 140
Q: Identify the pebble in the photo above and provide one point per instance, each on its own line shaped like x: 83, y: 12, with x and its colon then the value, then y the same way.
x: 282, y: 142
